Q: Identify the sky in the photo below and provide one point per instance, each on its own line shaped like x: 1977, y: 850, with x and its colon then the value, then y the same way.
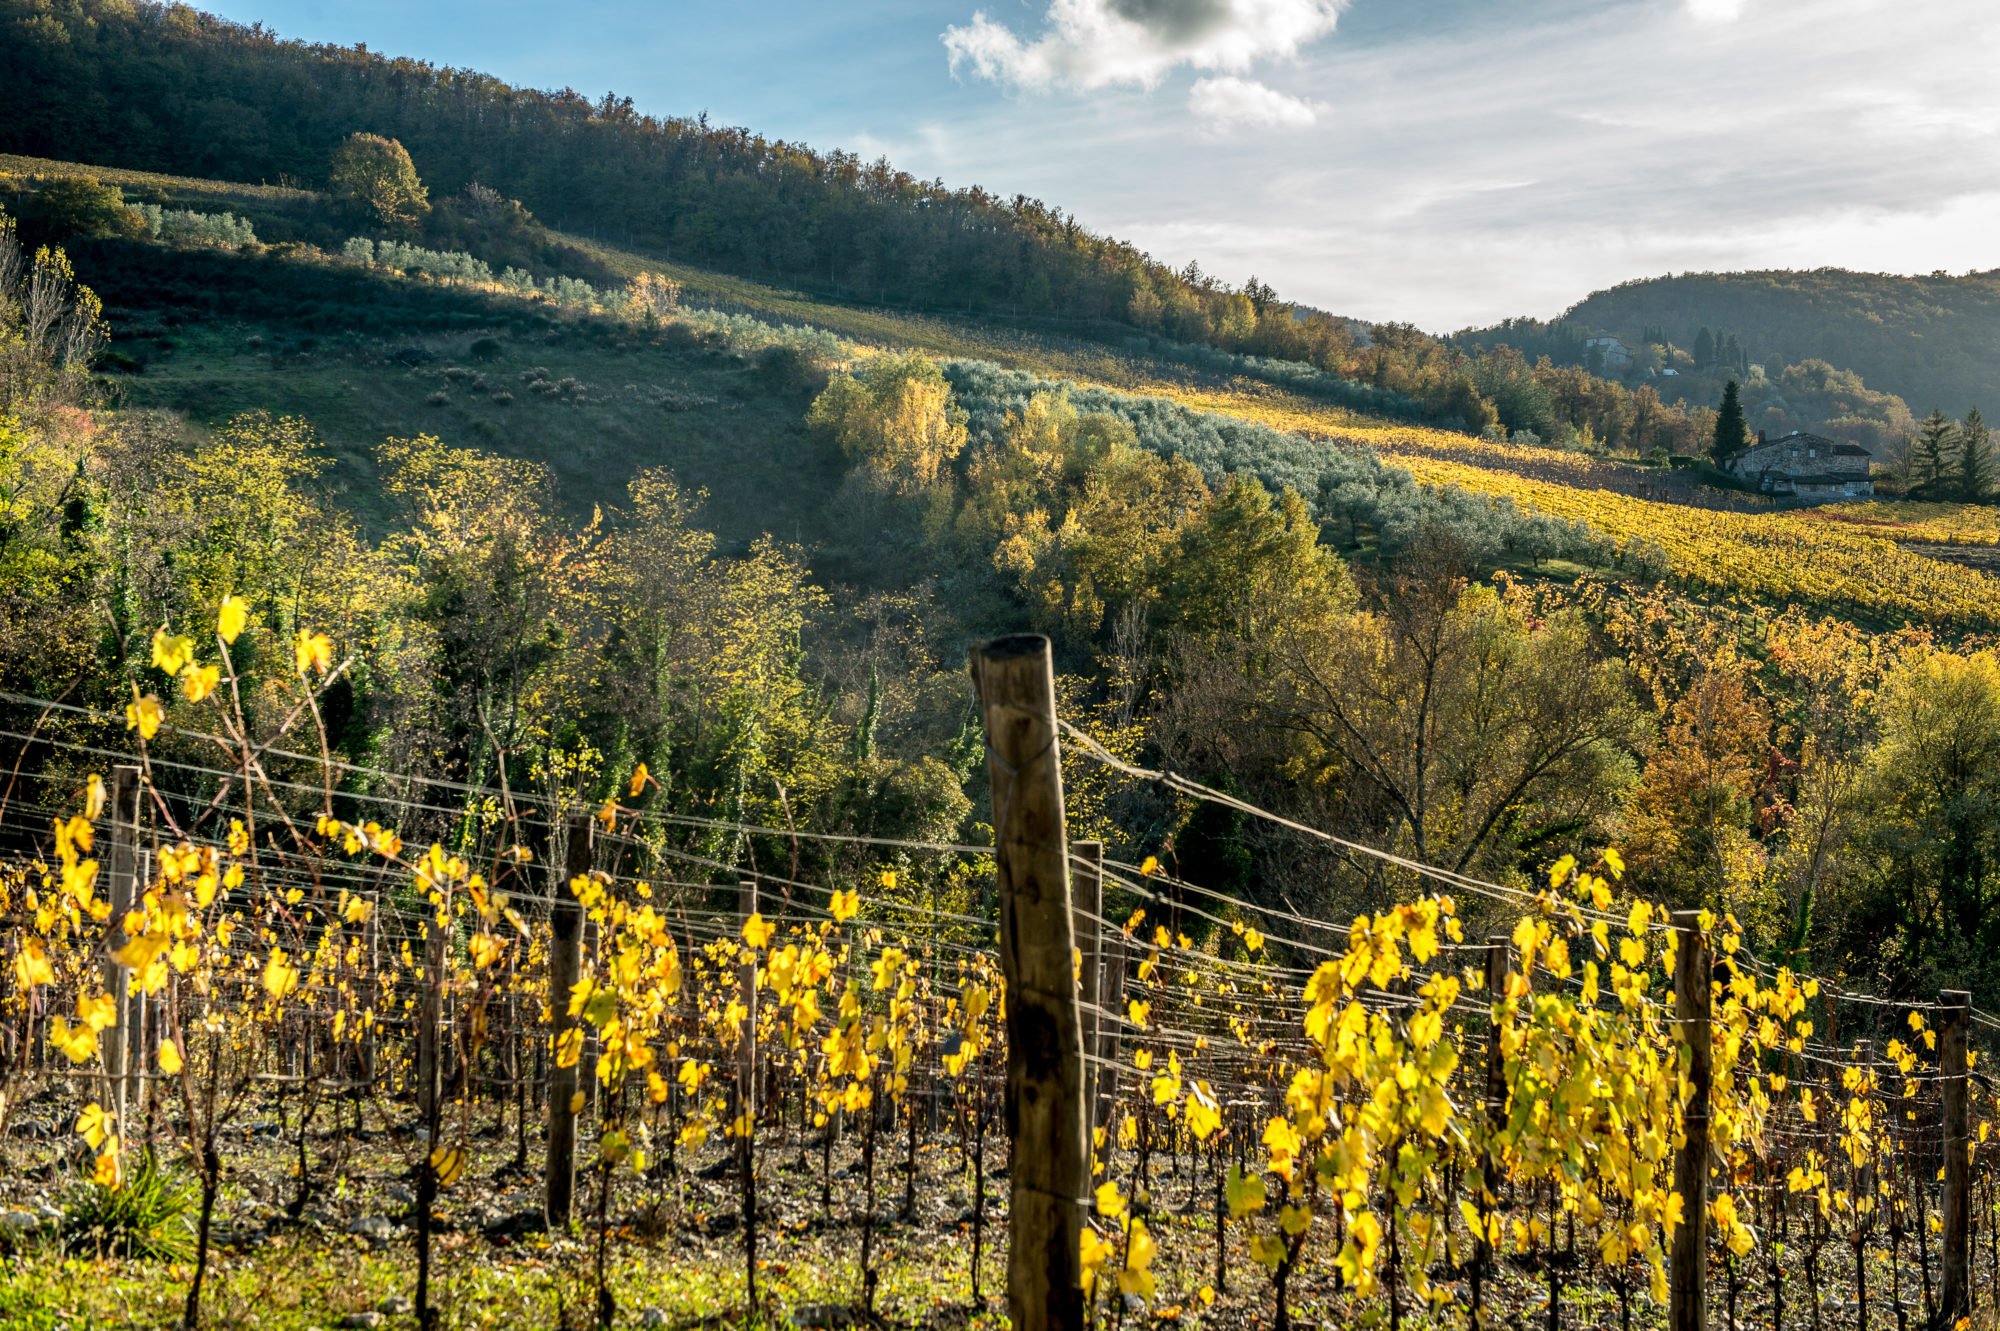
x: 1446, y: 162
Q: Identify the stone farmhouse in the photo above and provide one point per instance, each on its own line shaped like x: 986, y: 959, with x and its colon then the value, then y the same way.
x: 1806, y: 466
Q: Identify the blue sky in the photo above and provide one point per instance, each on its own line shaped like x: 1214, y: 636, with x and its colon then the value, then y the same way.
x: 1442, y: 161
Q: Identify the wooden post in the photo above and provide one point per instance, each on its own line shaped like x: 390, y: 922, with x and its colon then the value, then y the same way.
x: 565, y: 969
x: 430, y: 1018
x: 1110, y: 1034
x: 1497, y: 967
x: 1954, y: 1014
x: 1045, y: 1115
x: 121, y: 862
x: 1688, y: 1274
x: 1089, y: 906
x: 746, y: 989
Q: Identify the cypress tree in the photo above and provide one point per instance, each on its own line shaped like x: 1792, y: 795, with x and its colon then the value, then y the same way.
x: 1975, y: 458
x: 1731, y: 431
x: 1704, y: 348
x: 1933, y: 451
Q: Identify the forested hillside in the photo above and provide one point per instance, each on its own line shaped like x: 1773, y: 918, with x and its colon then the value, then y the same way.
x: 1932, y: 341
x: 107, y: 82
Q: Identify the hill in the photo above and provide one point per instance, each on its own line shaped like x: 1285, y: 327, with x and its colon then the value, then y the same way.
x: 368, y: 351
x: 1932, y: 341
x: 103, y: 81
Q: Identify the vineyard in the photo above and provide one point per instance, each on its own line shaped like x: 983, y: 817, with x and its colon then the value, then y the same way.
x: 1156, y: 1102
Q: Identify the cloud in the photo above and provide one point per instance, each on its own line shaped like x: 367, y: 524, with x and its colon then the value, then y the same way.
x: 1090, y: 44
x: 1227, y: 102
x: 1716, y: 11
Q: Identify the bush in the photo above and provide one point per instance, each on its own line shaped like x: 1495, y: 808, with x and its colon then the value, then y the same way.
x: 792, y: 368
x: 485, y: 350
x: 222, y: 229
x: 80, y: 207
x: 147, y: 1217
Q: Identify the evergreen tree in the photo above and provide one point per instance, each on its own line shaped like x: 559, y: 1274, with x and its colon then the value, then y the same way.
x: 1704, y: 348
x: 1933, y: 451
x: 1975, y: 458
x: 1732, y: 354
x: 1731, y: 431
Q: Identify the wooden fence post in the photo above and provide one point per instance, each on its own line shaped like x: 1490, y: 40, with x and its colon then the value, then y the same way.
x: 430, y: 1016
x: 1089, y: 907
x: 1110, y: 1034
x: 1688, y: 1274
x: 746, y: 989
x: 1955, y: 1012
x: 121, y: 861
x: 565, y: 969
x: 1497, y: 967
x: 1045, y: 1115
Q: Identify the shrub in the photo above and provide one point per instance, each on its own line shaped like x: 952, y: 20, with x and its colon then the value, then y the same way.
x: 439, y: 398
x: 486, y: 350
x: 503, y: 398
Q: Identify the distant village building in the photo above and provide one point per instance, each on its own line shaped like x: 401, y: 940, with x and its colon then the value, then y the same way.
x: 1806, y: 466
x: 1613, y: 354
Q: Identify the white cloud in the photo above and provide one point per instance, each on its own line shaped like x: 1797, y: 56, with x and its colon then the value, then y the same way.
x: 1227, y: 102
x: 1090, y: 44
x: 1716, y: 11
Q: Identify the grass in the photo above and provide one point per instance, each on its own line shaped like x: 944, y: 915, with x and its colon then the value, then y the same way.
x: 187, y: 187
x: 709, y: 415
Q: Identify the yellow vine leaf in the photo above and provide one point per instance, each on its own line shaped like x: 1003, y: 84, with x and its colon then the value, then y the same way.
x: 447, y: 1163
x: 313, y: 649
x: 145, y: 716
x: 198, y: 682
x: 230, y: 620
x: 280, y: 976
x: 98, y: 1125
x: 170, y: 653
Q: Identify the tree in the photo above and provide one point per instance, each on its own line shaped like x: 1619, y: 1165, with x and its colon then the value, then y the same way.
x: 1461, y: 726
x: 896, y: 421
x: 1704, y: 348
x: 82, y: 208
x: 1688, y: 827
x: 1933, y: 451
x: 1731, y: 431
x: 1975, y: 458
x: 1933, y: 795
x: 376, y: 174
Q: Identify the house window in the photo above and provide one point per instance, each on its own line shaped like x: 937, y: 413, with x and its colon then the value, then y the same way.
x: 1812, y: 452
